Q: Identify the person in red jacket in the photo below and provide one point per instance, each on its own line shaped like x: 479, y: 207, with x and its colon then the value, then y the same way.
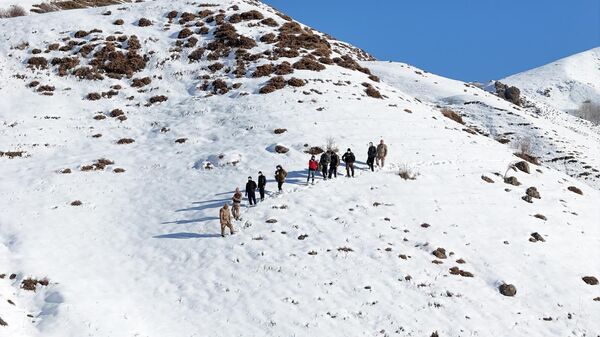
x: 313, y: 166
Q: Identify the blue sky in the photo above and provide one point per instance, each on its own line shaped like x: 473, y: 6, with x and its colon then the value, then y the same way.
x: 462, y: 39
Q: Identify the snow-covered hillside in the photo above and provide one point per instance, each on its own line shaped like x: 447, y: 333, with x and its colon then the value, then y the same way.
x: 564, y: 84
x: 32, y: 7
x: 118, y: 151
x: 560, y: 140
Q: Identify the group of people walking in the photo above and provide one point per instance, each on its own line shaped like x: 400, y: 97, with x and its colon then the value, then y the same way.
x: 327, y: 165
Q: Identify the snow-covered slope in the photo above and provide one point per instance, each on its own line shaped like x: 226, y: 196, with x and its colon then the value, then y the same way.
x: 560, y: 140
x: 141, y: 255
x: 32, y: 7
x: 563, y: 84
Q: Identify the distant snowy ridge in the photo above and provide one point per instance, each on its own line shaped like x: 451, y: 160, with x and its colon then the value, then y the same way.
x: 564, y: 84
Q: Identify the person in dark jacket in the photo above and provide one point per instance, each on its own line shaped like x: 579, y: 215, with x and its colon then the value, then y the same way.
x: 371, y: 154
x: 251, y: 191
x: 324, y: 162
x: 349, y: 159
x: 262, y: 182
x: 333, y: 165
x: 313, y: 165
x: 280, y: 175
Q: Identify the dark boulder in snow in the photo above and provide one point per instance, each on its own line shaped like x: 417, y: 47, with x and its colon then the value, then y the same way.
x: 535, y: 237
x: 507, y: 290
x: 533, y: 192
x: 512, y: 181
x: 280, y: 149
x: 591, y: 280
x: 511, y: 94
x: 440, y: 253
x: 523, y: 166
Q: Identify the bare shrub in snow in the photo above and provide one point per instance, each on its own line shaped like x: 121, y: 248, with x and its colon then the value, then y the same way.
x: 87, y: 73
x: 296, y: 82
x: 407, y: 173
x: 372, y: 92
x: 184, y: 33
x: 590, y: 111
x: 308, y: 64
x: 268, y: 38
x: 275, y: 83
x: 270, y: 22
x: 37, y: 62
x: 263, y: 70
x: 330, y: 145
x: 52, y: 6
x: 216, y: 66
x: 158, y: 99
x: 116, y: 113
x: 196, y: 55
x: 284, y: 68
x: 251, y: 15
x: 123, y: 141
x: 31, y: 284
x: 12, y: 154
x: 12, y: 12
x: 173, y: 14
x: 65, y: 64
x: 448, y: 113
x: 314, y: 150
x: 93, y: 96
x: 525, y: 148
x: 286, y: 52
x: 143, y: 22
x: 140, y: 82
x: 524, y: 145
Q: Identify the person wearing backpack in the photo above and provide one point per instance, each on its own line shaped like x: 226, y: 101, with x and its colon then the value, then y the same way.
x: 251, y: 191
x: 371, y: 154
x: 237, y: 202
x: 324, y: 163
x: 333, y: 165
x: 313, y: 165
x: 262, y: 182
x: 280, y: 175
x: 349, y: 159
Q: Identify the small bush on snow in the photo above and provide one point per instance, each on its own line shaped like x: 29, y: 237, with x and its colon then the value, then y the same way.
x: 407, y: 173
x: 12, y: 12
